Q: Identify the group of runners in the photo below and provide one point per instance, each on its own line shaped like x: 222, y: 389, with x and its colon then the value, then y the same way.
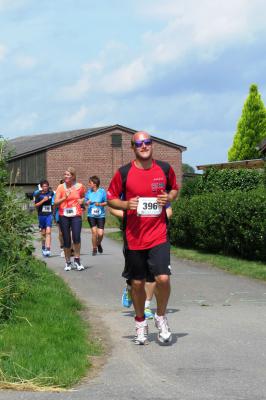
x: 140, y: 193
x: 67, y: 205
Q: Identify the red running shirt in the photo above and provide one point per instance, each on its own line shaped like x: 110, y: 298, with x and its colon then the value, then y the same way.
x: 143, y: 232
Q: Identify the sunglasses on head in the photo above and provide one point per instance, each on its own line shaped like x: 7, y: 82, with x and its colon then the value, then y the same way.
x: 139, y: 143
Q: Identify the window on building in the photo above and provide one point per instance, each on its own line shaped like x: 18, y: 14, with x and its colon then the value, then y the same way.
x: 116, y: 140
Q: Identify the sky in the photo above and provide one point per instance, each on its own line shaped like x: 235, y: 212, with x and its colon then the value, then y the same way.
x: 179, y: 69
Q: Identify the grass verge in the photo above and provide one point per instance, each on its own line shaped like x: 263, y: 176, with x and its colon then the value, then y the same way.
x: 45, y: 343
x: 252, y: 269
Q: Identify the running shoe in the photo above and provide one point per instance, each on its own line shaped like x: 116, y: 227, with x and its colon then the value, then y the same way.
x: 48, y: 253
x: 78, y: 265
x: 164, y: 334
x: 148, y: 313
x: 141, y: 336
x: 62, y: 253
x: 68, y: 266
x: 44, y: 252
x: 94, y: 252
x: 100, y: 249
x: 126, y: 298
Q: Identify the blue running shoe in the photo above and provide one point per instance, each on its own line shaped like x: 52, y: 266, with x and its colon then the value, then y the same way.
x: 148, y: 313
x: 126, y: 298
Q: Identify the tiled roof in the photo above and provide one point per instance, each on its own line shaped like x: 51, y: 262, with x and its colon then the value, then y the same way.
x: 25, y: 145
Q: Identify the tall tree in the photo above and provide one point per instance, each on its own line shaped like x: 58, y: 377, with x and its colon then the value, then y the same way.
x: 186, y: 168
x: 251, y: 128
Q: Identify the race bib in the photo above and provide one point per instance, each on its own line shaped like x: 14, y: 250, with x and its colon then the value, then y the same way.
x: 70, y: 212
x: 96, y: 211
x: 46, y: 209
x: 148, y: 207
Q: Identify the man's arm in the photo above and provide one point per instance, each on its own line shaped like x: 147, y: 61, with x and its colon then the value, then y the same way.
x: 118, y: 204
x: 164, y: 197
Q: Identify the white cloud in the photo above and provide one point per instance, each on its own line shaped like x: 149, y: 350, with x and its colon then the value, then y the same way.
x: 24, y: 122
x: 25, y: 62
x: 84, y: 83
x: 126, y: 78
x: 77, y: 118
x: 205, y: 27
x: 3, y: 52
x: 190, y: 28
x: 98, y: 114
x: 12, y: 4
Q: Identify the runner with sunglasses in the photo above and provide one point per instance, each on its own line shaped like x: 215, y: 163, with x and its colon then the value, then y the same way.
x: 146, y: 192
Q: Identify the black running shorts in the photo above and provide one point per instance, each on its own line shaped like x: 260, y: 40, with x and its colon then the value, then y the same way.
x: 145, y: 264
x: 99, y: 222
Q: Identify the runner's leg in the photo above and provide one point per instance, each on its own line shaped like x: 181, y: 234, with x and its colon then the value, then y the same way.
x: 163, y: 293
x: 48, y: 237
x: 138, y: 296
x: 76, y: 225
x: 99, y: 236
x: 60, y: 237
x: 64, y: 223
x: 94, y: 237
x: 100, y: 232
x: 43, y: 237
x: 149, y: 289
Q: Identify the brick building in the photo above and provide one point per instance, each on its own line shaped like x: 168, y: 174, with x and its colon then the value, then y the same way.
x: 97, y: 151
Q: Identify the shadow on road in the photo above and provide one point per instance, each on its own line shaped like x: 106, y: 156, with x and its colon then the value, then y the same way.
x: 153, y: 338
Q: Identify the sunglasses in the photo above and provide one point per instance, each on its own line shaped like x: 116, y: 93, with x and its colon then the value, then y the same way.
x: 138, y: 143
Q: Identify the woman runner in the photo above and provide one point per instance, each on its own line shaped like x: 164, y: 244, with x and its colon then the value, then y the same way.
x: 69, y: 198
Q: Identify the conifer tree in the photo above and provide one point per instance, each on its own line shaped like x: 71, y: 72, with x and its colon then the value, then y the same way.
x: 251, y: 128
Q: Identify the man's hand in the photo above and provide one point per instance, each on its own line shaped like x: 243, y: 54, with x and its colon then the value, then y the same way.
x: 162, y: 199
x: 132, y: 204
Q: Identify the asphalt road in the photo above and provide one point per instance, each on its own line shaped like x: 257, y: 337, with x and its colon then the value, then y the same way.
x: 219, y: 334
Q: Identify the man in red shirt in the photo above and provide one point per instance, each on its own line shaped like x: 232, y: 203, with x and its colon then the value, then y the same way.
x: 143, y: 194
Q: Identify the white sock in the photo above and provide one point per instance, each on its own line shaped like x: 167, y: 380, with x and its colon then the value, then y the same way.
x: 147, y: 303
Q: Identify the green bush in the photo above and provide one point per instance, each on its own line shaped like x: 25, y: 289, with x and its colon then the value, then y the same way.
x: 214, y: 180
x: 15, y: 244
x: 191, y: 186
x: 226, y: 222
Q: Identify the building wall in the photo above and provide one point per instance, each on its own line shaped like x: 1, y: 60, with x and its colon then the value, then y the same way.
x: 96, y: 156
x: 28, y: 170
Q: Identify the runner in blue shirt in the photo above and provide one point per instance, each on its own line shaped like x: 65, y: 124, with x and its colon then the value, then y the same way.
x: 96, y: 201
x: 44, y: 204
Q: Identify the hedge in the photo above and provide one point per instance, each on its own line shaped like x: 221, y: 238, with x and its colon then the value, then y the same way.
x: 214, y: 180
x: 227, y: 222
x: 15, y: 242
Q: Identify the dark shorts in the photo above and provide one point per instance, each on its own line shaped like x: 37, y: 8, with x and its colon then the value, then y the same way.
x: 70, y: 225
x: 45, y: 221
x: 99, y: 222
x: 145, y: 264
x: 126, y: 273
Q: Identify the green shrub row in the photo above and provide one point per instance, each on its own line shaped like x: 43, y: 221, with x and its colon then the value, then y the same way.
x: 15, y: 243
x: 214, y: 180
x: 222, y: 222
